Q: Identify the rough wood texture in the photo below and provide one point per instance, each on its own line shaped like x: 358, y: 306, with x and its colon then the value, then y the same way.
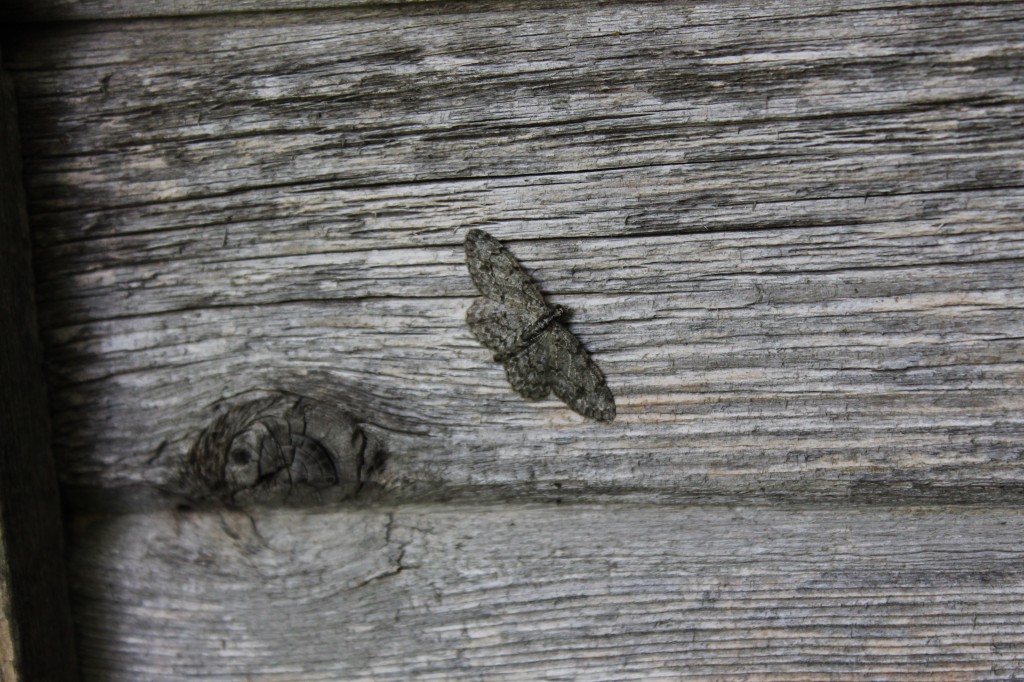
x: 791, y: 237
x: 64, y: 10
x: 35, y: 618
x: 281, y: 449
x: 792, y: 241
x: 553, y: 594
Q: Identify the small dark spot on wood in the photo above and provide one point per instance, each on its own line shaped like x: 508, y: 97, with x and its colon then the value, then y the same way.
x: 240, y: 457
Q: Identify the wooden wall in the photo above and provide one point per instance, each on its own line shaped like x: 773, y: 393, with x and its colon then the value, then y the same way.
x: 790, y: 234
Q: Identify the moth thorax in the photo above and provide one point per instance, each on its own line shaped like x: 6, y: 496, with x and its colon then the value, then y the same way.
x: 531, y: 332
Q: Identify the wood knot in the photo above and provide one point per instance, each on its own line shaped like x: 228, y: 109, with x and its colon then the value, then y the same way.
x: 281, y: 449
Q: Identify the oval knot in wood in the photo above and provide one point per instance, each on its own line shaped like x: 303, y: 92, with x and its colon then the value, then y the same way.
x: 281, y: 449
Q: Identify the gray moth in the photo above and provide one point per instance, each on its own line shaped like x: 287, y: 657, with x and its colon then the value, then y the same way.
x: 512, y: 319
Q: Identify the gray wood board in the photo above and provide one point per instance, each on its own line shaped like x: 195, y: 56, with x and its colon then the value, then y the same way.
x: 72, y: 10
x: 552, y: 593
x: 720, y: 10
x: 791, y: 238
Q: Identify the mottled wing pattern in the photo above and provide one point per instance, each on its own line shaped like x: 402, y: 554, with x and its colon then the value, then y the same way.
x: 499, y: 276
x: 506, y: 319
x: 529, y: 372
x: 496, y: 325
x: 574, y: 376
x: 498, y: 320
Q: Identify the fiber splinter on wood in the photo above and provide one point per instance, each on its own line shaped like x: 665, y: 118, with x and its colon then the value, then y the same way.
x: 281, y: 449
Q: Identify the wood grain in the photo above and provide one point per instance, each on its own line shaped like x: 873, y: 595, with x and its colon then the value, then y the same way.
x: 552, y: 593
x: 722, y: 10
x: 72, y: 10
x: 35, y: 617
x: 791, y: 238
x: 790, y: 234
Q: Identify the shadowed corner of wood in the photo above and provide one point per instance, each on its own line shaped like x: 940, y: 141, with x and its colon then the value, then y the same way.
x: 282, y: 449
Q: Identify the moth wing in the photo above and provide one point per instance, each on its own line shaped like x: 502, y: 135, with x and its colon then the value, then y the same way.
x: 529, y: 372
x: 574, y: 376
x: 499, y: 276
x: 495, y: 325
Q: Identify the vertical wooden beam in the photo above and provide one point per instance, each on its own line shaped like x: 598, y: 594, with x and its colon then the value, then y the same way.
x: 36, y: 639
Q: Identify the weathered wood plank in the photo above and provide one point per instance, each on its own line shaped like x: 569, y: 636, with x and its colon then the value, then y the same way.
x: 35, y: 618
x: 792, y: 240
x: 791, y: 236
x: 552, y: 593
x: 128, y: 115
x: 812, y: 375
x: 720, y: 10
x: 65, y: 10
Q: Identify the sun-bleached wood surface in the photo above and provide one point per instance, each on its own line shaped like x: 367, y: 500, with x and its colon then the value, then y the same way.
x: 790, y: 234
x: 542, y: 593
x: 793, y: 245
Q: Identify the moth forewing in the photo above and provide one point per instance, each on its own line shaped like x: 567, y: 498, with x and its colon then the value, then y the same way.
x: 498, y: 275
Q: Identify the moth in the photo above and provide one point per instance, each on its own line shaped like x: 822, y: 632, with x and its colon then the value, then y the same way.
x: 512, y: 319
